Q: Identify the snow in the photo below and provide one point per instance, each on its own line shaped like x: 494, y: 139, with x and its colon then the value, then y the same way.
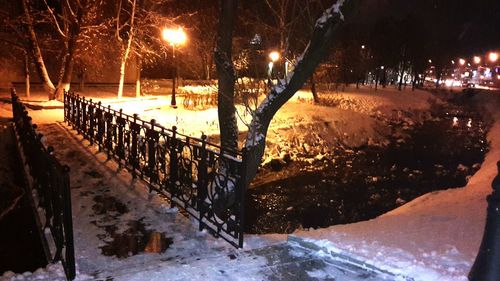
x: 335, y: 8
x: 434, y: 237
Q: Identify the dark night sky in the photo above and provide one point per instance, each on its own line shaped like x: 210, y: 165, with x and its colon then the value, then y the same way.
x: 475, y: 24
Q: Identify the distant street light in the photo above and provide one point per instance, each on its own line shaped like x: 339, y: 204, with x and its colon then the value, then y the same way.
x: 175, y: 37
x: 461, y: 61
x: 430, y: 61
x: 274, y: 56
x: 493, y: 56
x: 477, y: 59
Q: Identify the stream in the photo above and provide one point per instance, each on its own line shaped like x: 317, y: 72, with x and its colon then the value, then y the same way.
x: 362, y: 183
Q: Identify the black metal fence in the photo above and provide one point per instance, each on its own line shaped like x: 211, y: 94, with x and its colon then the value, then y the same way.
x: 196, y: 175
x: 51, y: 181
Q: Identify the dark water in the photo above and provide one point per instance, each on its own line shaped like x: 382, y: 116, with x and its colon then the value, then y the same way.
x: 21, y: 247
x: 360, y: 184
x: 137, y: 238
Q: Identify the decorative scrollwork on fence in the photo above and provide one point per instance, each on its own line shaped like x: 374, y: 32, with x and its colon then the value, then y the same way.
x: 196, y: 175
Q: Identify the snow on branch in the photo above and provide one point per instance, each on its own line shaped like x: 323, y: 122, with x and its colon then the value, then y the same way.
x: 324, y: 32
x: 334, y: 9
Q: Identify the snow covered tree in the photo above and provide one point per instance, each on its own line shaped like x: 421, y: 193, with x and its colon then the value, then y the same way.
x: 68, y: 19
x: 325, y: 30
x: 125, y: 32
x: 35, y: 52
x: 137, y: 28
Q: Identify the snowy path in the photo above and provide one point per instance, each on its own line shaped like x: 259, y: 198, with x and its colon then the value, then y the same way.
x: 115, y: 219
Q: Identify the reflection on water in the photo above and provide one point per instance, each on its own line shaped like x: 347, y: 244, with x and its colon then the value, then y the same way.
x: 135, y: 240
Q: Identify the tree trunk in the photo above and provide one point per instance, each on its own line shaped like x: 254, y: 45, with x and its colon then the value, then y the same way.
x: 27, y: 73
x: 226, y: 76
x: 126, y: 49
x: 400, y: 85
x: 36, y: 53
x: 313, y: 89
x: 122, y: 77
x: 81, y: 78
x: 66, y: 72
x: 138, y: 77
x: 326, y: 29
x: 384, y: 78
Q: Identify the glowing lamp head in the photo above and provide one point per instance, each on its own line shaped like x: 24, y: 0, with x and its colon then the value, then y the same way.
x: 274, y: 56
x: 477, y: 59
x: 174, y: 37
x: 461, y: 61
x: 493, y: 56
x: 363, y: 46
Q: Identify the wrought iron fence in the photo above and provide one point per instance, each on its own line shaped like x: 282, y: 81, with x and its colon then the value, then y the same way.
x: 198, y: 176
x: 51, y: 181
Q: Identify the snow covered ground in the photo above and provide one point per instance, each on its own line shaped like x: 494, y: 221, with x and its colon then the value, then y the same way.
x: 434, y: 237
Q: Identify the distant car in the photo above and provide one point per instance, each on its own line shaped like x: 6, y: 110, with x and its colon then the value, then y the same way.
x: 468, y: 85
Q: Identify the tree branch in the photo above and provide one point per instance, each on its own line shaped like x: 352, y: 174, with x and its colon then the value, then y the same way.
x: 54, y: 20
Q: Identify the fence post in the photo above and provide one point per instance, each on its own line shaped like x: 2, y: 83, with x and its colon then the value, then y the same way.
x: 108, y: 117
x: 68, y: 226
x: 65, y: 102
x: 487, y: 264
x: 202, y: 181
x: 78, y: 114
x: 100, y: 125
x: 120, y: 150
x: 152, y: 138
x: 134, y: 155
x: 173, y: 165
x: 91, y: 122
x: 84, y: 117
x: 241, y: 189
x: 73, y: 110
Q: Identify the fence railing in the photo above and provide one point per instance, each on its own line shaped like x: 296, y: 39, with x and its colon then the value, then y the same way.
x: 51, y: 182
x: 198, y: 176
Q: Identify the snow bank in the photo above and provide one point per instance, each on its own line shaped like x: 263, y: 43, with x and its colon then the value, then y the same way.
x: 434, y: 237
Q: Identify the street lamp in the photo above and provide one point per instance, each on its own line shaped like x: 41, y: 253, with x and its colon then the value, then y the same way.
x: 175, y: 37
x: 274, y: 56
x: 477, y: 59
x: 493, y: 56
x: 461, y: 61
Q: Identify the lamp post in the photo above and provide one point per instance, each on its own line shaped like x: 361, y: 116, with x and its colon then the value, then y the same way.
x: 477, y: 59
x: 274, y: 56
x: 175, y: 37
x: 493, y: 57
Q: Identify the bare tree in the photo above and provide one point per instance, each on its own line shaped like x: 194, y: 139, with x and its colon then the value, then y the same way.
x: 137, y: 28
x: 326, y: 29
x: 35, y: 52
x: 68, y: 19
x: 125, y: 29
